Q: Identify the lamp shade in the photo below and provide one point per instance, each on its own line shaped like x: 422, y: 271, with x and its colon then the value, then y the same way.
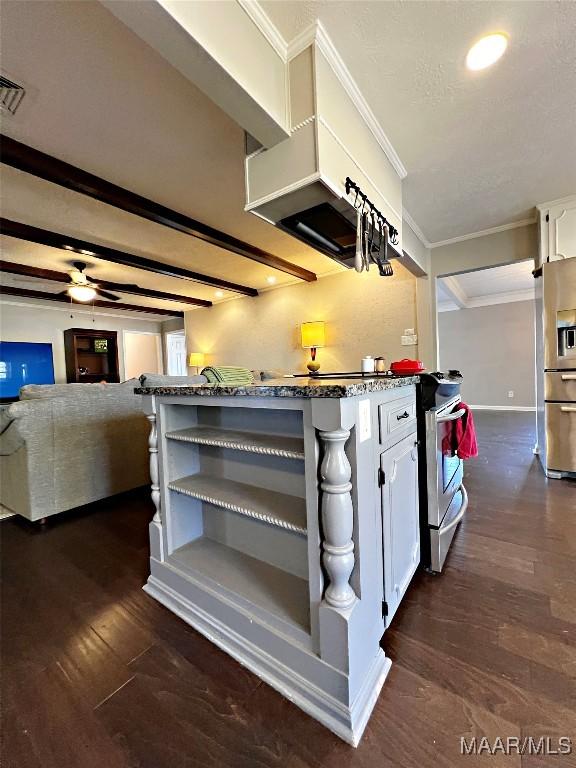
x: 313, y: 334
x: 196, y: 359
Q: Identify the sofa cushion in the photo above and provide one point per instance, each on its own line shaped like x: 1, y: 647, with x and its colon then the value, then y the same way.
x: 159, y: 380
x: 46, y: 391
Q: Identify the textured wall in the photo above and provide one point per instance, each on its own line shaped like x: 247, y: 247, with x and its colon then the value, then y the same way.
x: 494, y: 348
x: 365, y: 314
x: 20, y: 321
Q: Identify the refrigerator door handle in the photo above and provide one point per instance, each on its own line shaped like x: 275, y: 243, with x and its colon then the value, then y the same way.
x: 568, y: 408
x: 568, y: 377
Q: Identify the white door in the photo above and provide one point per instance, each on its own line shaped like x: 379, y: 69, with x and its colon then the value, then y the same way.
x: 142, y: 353
x: 176, y: 353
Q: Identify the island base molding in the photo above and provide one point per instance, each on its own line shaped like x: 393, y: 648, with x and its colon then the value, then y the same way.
x: 329, y: 707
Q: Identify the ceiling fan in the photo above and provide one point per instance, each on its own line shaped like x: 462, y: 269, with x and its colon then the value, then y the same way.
x: 80, y: 287
x: 83, y: 288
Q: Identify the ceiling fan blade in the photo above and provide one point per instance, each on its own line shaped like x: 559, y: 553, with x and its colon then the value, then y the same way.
x: 36, y: 281
x: 120, y: 286
x: 109, y: 296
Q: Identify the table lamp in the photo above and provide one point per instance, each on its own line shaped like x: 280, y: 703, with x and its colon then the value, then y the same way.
x: 313, y: 336
x: 196, y: 360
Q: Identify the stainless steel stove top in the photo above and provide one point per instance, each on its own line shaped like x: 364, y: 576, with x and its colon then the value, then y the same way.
x: 352, y: 375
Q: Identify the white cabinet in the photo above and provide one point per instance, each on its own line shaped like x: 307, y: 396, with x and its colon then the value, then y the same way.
x: 557, y: 230
x: 400, y: 520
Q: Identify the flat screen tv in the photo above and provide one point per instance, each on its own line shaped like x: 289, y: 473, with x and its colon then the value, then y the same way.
x: 23, y: 363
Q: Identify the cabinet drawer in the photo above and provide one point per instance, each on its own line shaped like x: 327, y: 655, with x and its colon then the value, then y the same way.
x: 397, y: 419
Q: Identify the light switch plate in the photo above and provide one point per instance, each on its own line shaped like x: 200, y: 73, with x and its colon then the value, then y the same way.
x: 364, y: 428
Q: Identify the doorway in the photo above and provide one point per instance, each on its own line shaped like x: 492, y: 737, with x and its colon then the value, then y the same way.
x: 176, y: 353
x: 142, y: 353
x: 486, y: 330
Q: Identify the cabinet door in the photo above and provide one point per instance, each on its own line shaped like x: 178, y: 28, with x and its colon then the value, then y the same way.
x: 562, y: 231
x: 400, y: 520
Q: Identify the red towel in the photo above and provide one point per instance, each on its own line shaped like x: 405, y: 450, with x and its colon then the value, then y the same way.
x: 460, y: 439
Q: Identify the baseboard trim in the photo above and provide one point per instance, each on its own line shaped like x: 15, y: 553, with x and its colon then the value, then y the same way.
x: 523, y: 408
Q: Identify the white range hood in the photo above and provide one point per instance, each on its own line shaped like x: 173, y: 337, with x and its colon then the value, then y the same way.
x: 299, y: 185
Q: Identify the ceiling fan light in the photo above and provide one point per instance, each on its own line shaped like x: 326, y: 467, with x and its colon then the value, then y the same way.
x: 82, y: 292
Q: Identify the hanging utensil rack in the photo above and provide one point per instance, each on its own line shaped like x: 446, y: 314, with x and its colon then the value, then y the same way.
x: 362, y: 201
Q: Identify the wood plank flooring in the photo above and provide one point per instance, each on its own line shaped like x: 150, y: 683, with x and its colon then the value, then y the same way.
x: 95, y: 674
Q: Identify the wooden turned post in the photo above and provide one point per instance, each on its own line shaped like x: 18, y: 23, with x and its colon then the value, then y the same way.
x: 154, y: 477
x: 337, y: 519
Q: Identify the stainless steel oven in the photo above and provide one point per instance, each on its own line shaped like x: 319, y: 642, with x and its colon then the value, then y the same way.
x: 443, y: 498
x: 447, y: 497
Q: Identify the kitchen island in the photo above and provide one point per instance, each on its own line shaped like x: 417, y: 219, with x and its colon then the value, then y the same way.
x: 286, y: 528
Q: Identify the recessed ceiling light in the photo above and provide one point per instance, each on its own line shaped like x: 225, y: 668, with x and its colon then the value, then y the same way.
x: 271, y: 279
x: 219, y: 294
x: 486, y: 51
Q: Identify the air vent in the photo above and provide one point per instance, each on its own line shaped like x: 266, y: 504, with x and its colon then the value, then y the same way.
x: 11, y: 95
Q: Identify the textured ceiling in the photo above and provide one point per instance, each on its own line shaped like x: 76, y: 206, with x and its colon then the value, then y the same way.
x: 100, y: 98
x: 497, y: 283
x: 481, y: 149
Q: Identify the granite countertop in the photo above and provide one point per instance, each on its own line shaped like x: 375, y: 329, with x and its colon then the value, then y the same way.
x: 289, y: 387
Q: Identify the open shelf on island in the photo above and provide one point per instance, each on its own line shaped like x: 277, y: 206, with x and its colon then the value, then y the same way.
x: 253, y: 442
x: 278, y: 509
x: 256, y: 583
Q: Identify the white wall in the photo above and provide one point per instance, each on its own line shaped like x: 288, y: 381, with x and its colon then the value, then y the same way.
x: 21, y: 320
x: 142, y: 352
x: 365, y: 314
x: 494, y: 348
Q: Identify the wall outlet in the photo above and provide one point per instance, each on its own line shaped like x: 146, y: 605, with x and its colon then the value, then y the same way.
x: 510, y: 393
x: 409, y: 340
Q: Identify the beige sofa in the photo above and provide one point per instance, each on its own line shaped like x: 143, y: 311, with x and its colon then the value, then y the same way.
x: 66, y: 445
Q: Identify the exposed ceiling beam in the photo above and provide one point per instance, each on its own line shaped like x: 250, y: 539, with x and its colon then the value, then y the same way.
x: 455, y: 291
x: 49, y: 168
x: 63, y: 277
x: 84, y: 248
x: 25, y: 293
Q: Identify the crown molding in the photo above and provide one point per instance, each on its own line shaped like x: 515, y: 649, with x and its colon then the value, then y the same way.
x: 316, y: 33
x: 457, y: 294
x: 552, y: 203
x: 265, y: 25
x: 447, y: 306
x: 342, y: 72
x: 484, y: 232
x: 303, y: 40
x: 415, y: 228
x: 500, y: 298
x: 474, y: 302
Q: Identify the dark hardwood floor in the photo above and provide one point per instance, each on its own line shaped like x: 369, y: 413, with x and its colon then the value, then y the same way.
x: 98, y: 675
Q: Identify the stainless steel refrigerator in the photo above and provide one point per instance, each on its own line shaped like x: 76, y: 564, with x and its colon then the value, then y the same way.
x: 556, y: 367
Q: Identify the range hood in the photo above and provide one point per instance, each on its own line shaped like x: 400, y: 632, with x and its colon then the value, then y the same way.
x: 300, y: 186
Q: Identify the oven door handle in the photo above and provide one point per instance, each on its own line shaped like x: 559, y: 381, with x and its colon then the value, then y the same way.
x: 451, y: 416
x: 453, y: 523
